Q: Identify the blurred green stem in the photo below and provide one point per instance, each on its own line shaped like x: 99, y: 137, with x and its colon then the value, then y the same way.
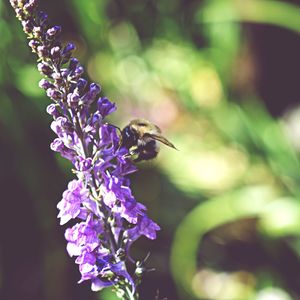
x: 248, y: 202
x: 272, y: 12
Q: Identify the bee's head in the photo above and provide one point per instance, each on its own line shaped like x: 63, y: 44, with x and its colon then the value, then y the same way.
x: 129, y: 137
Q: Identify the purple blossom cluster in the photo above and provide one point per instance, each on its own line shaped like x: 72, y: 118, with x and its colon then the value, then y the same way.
x: 109, y: 219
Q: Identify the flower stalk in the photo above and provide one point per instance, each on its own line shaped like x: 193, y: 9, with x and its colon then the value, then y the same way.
x: 109, y: 219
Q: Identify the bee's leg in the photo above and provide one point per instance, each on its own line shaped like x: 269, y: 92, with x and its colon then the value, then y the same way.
x: 120, y: 132
x: 114, y: 127
x: 134, y: 150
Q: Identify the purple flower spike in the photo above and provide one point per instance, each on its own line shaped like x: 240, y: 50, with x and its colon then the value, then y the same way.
x: 105, y: 216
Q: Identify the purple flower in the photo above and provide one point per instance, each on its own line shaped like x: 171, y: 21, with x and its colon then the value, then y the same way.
x: 71, y: 204
x: 145, y: 226
x: 58, y: 146
x: 109, y: 219
x: 83, y: 236
x: 108, y: 136
x: 105, y: 107
x: 131, y: 210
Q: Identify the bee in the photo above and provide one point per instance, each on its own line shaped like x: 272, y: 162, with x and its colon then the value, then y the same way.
x: 140, y: 137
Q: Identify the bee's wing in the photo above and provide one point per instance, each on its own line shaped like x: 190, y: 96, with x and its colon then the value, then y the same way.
x: 162, y: 139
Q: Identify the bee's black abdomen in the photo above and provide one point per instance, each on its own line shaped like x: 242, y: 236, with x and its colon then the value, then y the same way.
x: 146, y: 156
x: 148, y: 151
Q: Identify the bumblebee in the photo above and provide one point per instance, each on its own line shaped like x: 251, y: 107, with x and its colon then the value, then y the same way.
x: 141, y: 138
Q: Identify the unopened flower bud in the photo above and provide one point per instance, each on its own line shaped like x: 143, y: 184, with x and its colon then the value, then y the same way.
x: 64, y: 73
x: 53, y: 31
x: 73, y: 98
x: 54, y: 94
x: 27, y: 26
x: 33, y: 44
x: 105, y: 107
x: 45, y: 84
x: 56, y: 75
x: 91, y: 95
x: 30, y: 6
x: 73, y: 63
x: 57, y: 145
x: 42, y: 51
x: 37, y: 32
x: 44, y: 69
x: 77, y: 72
x: 14, y: 3
x: 140, y: 269
x: 53, y: 110
x: 55, y: 52
x: 81, y: 84
x: 68, y: 49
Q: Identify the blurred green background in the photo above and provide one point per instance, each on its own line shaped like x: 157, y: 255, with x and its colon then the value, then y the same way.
x: 222, y: 80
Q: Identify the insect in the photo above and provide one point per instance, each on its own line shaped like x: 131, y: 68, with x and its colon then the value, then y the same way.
x: 140, y: 137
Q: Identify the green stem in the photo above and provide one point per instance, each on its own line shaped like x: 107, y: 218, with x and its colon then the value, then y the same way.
x: 247, y: 202
x: 271, y: 12
x: 129, y: 294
